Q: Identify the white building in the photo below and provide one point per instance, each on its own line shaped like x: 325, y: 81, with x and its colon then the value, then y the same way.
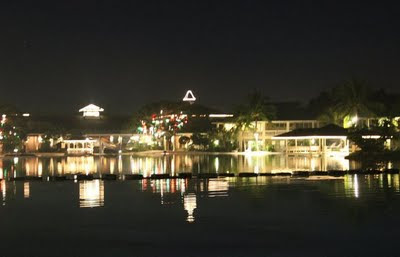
x: 91, y: 111
x: 262, y: 133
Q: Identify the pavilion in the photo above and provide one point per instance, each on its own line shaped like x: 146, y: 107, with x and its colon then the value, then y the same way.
x: 329, y: 139
x: 79, y: 145
x: 91, y: 111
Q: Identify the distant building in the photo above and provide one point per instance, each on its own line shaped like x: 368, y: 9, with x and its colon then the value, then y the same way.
x: 261, y: 135
x: 79, y: 145
x: 328, y: 139
x: 91, y: 111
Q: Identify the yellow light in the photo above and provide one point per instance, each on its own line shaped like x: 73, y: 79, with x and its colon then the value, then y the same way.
x: 26, y: 190
x: 91, y: 193
x: 354, y: 119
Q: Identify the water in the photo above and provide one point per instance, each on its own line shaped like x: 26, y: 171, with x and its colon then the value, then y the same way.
x: 355, y: 215
x: 171, y: 164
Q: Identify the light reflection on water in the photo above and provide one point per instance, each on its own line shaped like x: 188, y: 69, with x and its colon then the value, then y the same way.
x: 185, y: 193
x: 91, y: 193
x: 171, y: 164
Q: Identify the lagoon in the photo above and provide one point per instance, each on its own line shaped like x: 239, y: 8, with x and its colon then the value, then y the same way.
x: 354, y: 215
x: 169, y: 164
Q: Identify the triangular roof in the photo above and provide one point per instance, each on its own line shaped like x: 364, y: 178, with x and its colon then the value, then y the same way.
x: 189, y: 97
x: 91, y: 107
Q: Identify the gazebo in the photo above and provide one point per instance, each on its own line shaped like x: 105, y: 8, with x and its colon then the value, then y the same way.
x: 327, y: 139
x: 79, y: 145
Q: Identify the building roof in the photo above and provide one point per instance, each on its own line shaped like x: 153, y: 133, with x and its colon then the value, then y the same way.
x: 327, y: 131
x: 91, y: 108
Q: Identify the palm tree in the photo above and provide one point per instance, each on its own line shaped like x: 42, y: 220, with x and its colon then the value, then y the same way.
x: 257, y: 108
x: 353, y: 99
x: 331, y: 116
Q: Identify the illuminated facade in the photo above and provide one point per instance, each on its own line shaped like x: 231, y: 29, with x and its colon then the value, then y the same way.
x: 261, y: 134
x: 330, y: 139
x: 80, y: 146
x: 91, y: 111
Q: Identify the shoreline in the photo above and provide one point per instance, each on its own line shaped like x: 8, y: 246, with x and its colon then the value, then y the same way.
x: 368, y: 156
x: 142, y: 153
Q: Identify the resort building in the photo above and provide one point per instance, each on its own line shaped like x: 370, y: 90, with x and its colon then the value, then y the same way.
x: 91, y: 111
x: 79, y: 145
x: 330, y: 139
x: 260, y: 136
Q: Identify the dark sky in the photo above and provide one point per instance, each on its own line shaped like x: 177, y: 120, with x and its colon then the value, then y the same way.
x: 58, y: 55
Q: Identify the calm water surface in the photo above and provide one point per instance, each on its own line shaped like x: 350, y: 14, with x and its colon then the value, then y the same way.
x: 171, y: 164
x: 264, y: 216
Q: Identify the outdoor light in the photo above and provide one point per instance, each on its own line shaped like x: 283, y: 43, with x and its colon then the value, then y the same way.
x: 189, y: 97
x: 3, y: 119
x: 354, y: 119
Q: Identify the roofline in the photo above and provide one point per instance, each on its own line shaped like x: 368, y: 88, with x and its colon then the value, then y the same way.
x: 272, y: 121
x: 308, y: 137
x: 83, y: 140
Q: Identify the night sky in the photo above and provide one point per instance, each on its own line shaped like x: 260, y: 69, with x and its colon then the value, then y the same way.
x: 56, y: 56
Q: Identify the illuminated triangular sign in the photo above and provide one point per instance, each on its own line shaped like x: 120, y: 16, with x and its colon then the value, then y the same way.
x: 189, y: 97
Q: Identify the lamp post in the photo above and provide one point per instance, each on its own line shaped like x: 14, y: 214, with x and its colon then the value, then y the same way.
x: 256, y: 138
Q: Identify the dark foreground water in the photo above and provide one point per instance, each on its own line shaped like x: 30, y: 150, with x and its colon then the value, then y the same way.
x: 264, y: 216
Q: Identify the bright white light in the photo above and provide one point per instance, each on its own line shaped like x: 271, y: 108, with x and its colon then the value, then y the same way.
x: 220, y: 115
x: 91, y: 193
x: 190, y: 204
x: 354, y: 119
x: 189, y: 97
x: 91, y: 110
x: 355, y: 185
x: 309, y: 137
x: 26, y: 114
x: 371, y: 137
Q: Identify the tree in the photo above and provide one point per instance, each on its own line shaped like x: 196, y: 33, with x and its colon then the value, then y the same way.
x: 372, y: 140
x: 221, y: 140
x: 200, y: 140
x: 11, y: 134
x: 345, y: 103
x: 354, y: 99
x: 257, y: 108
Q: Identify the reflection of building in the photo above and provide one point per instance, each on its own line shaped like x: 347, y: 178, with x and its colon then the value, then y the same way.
x: 91, y: 193
x: 351, y: 186
x: 26, y: 190
x: 190, y: 204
